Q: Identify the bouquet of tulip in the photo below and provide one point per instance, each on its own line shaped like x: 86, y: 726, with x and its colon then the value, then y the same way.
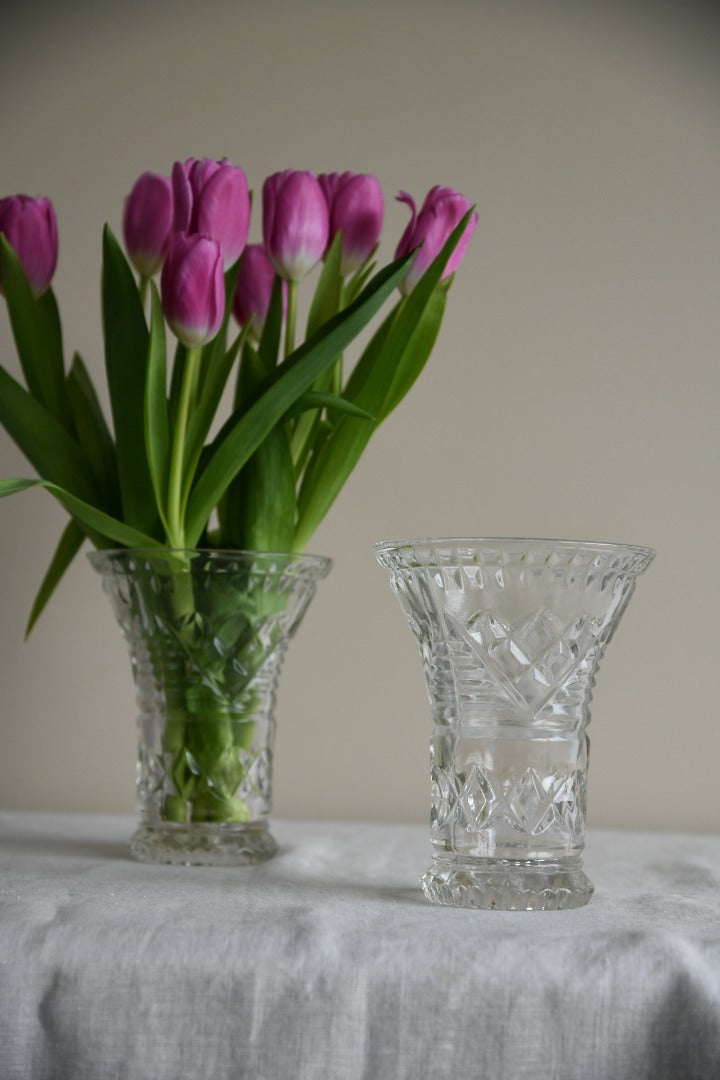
x: 167, y: 477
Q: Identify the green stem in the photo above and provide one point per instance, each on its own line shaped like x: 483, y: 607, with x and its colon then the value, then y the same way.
x: 176, y: 528
x: 144, y: 282
x: 292, y: 292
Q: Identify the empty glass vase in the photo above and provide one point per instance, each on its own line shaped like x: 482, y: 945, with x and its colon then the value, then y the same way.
x: 207, y: 633
x: 510, y: 635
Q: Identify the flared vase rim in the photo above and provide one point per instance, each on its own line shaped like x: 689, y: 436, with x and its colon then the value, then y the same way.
x: 512, y: 543
x: 100, y: 558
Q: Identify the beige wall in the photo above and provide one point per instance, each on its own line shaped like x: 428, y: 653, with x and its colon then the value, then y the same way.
x: 574, y: 390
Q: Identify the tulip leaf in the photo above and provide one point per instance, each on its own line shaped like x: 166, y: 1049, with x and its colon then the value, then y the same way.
x: 417, y: 352
x: 369, y: 361
x: 316, y: 399
x: 157, y: 425
x: 269, y: 347
x: 290, y: 379
x: 36, y: 328
x: 201, y: 420
x: 86, y: 514
x: 93, y: 433
x: 70, y: 543
x: 265, y: 488
x: 326, y: 302
x: 43, y: 440
x: 361, y: 275
x: 126, y: 351
x: 176, y: 380
x: 328, y: 291
x: 389, y: 367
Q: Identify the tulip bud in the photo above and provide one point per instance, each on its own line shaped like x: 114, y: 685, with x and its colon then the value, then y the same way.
x: 355, y: 203
x: 147, y: 222
x: 254, y: 288
x: 30, y: 228
x: 441, y: 212
x: 212, y: 198
x: 193, y: 288
x: 295, y: 222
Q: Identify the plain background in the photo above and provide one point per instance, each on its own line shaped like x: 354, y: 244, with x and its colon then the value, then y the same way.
x: 574, y: 390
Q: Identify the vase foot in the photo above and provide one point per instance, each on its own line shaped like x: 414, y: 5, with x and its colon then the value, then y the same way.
x: 202, y: 845
x: 504, y: 885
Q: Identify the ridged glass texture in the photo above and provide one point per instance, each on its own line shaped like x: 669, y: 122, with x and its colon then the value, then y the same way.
x: 510, y: 635
x: 207, y: 633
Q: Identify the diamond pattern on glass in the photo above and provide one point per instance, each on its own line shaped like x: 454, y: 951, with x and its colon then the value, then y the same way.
x: 529, y: 804
x: 529, y: 659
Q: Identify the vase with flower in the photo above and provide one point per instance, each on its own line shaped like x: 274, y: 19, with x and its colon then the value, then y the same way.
x: 200, y: 524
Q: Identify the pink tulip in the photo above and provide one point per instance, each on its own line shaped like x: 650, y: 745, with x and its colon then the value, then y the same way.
x: 441, y: 212
x: 212, y: 197
x: 355, y: 203
x: 254, y: 288
x: 147, y: 222
x: 295, y: 222
x: 193, y: 288
x: 30, y: 228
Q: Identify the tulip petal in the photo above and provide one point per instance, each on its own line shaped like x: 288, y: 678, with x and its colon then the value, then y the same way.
x: 30, y: 228
x: 148, y: 221
x: 429, y: 229
x: 193, y: 288
x: 295, y: 222
x: 222, y: 211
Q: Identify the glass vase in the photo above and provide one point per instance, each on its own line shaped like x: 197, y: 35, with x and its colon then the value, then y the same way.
x: 207, y: 633
x: 510, y: 635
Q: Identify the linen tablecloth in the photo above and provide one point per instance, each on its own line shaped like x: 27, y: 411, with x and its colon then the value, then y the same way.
x: 327, y: 963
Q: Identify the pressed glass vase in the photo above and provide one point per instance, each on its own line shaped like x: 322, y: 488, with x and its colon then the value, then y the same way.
x: 510, y: 635
x: 207, y: 633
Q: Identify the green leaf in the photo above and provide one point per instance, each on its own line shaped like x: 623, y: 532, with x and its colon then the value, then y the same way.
x: 414, y: 357
x: 269, y: 347
x: 176, y: 380
x: 370, y: 359
x: 88, y: 515
x: 386, y: 372
x: 70, y: 543
x: 157, y: 426
x: 217, y: 363
x: 361, y: 275
x: 326, y: 303
x: 290, y: 379
x: 93, y: 433
x: 265, y: 489
x: 126, y: 351
x: 44, y: 441
x: 328, y: 291
x: 316, y: 399
x: 38, y: 338
x: 331, y: 466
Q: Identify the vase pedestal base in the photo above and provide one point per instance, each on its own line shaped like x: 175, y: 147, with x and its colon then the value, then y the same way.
x: 505, y: 885
x: 197, y: 844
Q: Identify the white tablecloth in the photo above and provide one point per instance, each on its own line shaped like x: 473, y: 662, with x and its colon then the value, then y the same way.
x: 328, y: 964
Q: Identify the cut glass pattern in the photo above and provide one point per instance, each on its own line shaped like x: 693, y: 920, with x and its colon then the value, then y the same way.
x: 510, y: 635
x: 207, y: 633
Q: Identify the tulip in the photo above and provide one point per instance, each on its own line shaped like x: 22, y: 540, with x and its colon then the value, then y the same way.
x: 193, y: 288
x: 355, y: 203
x: 441, y: 212
x: 148, y: 221
x: 254, y: 288
x: 212, y: 198
x: 295, y: 222
x: 30, y: 228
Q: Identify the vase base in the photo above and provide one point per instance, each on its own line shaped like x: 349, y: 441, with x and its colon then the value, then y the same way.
x: 502, y: 885
x: 202, y: 845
